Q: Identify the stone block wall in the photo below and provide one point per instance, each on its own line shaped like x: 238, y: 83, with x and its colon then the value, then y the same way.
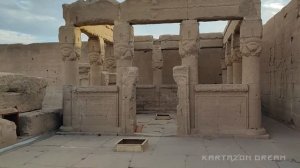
x: 280, y: 65
x: 221, y: 109
x: 38, y: 60
x: 151, y: 99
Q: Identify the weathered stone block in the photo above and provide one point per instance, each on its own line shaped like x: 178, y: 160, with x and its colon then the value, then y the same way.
x: 39, y: 122
x: 8, y: 134
x: 21, y: 92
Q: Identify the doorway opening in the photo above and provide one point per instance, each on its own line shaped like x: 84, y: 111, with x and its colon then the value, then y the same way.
x: 156, y: 53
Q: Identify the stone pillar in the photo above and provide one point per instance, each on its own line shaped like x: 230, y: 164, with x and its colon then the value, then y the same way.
x: 96, y: 53
x: 189, y: 47
x: 251, y: 48
x: 236, y: 59
x: 157, y: 64
x: 228, y: 62
x: 181, y: 77
x: 224, y: 71
x: 123, y: 47
x: 70, y: 48
x: 123, y: 52
x: 84, y: 75
x: 128, y: 100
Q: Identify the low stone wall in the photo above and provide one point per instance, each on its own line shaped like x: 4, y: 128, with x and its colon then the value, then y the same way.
x: 95, y: 109
x: 221, y: 109
x: 151, y: 99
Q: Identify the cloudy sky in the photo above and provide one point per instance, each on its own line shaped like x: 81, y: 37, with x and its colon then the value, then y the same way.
x: 35, y: 21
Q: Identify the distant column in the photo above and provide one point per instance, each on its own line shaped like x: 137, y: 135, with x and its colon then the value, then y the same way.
x: 157, y: 64
x: 224, y: 71
x: 228, y: 62
x: 236, y: 59
x: 96, y: 53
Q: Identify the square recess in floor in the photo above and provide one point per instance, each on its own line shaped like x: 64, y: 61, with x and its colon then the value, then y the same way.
x: 163, y: 117
x: 131, y: 145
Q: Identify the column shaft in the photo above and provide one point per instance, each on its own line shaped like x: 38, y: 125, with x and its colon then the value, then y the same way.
x: 96, y: 53
x: 251, y: 47
x: 189, y: 51
x: 70, y: 48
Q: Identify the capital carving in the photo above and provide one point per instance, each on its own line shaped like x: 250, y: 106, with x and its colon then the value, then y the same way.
x: 110, y: 63
x: 188, y: 47
x: 124, y: 50
x: 228, y: 59
x: 69, y: 52
x: 251, y: 47
x: 236, y: 55
x: 96, y: 51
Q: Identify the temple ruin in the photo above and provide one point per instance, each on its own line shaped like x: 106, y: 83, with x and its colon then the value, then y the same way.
x: 209, y: 84
x: 109, y: 103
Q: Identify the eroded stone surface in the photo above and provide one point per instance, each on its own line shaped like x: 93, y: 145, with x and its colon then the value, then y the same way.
x: 8, y: 135
x: 21, y: 93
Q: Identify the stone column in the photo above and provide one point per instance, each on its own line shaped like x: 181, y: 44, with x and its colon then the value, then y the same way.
x: 123, y: 47
x: 189, y: 47
x: 236, y: 59
x: 181, y: 77
x: 70, y: 48
x: 157, y: 64
x: 123, y: 52
x: 128, y: 97
x: 228, y: 62
x: 96, y: 53
x: 251, y: 48
x: 224, y: 71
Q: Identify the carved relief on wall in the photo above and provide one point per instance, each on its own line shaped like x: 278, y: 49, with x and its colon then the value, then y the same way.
x: 188, y: 47
x: 69, y: 52
x: 251, y: 46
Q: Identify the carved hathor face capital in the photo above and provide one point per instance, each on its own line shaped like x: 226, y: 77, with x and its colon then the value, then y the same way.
x: 69, y: 52
x: 251, y: 47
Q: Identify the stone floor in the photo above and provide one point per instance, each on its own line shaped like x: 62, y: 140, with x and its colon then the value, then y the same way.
x: 74, y: 151
x: 151, y: 127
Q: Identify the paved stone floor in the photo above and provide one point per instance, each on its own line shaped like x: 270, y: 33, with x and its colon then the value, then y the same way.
x: 152, y: 127
x: 74, y: 151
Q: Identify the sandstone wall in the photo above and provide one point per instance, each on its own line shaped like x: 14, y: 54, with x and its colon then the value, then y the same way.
x: 280, y: 65
x: 39, y: 60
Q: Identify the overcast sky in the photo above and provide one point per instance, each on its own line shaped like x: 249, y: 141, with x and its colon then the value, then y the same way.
x: 36, y: 21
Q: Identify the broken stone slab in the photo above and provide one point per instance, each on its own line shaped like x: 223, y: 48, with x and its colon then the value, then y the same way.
x: 21, y: 93
x: 39, y: 121
x: 8, y: 134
